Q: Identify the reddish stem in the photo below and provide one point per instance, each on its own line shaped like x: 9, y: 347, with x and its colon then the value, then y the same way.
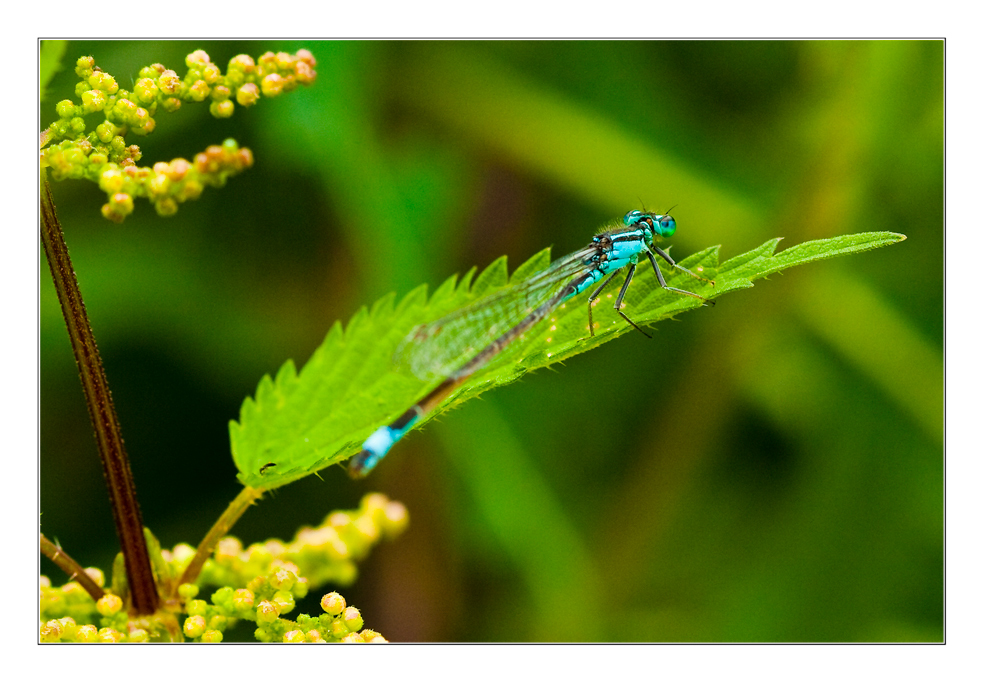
x: 116, y: 465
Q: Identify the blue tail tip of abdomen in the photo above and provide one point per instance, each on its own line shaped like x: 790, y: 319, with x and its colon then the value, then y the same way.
x: 373, y: 450
x: 362, y: 463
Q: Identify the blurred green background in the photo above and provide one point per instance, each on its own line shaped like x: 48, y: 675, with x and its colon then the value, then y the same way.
x: 767, y: 470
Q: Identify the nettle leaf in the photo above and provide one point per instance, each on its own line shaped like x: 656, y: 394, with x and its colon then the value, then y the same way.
x: 301, y: 422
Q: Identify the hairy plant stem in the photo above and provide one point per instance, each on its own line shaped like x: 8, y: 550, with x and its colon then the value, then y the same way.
x: 109, y: 440
x: 221, y: 527
x: 72, y: 568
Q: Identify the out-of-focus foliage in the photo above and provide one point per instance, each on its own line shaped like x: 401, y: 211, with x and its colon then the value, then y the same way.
x: 769, y: 469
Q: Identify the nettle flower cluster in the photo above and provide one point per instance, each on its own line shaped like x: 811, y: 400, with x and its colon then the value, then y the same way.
x: 102, y: 155
x: 260, y: 583
x: 326, y: 553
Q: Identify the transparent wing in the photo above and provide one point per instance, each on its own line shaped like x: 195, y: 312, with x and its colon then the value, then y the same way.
x: 438, y: 348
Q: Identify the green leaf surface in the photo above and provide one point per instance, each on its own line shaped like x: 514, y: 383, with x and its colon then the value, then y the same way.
x: 300, y: 422
x: 49, y: 62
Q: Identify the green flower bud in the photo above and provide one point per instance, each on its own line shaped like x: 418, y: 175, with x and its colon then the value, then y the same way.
x: 196, y: 607
x: 153, y: 71
x: 290, y: 82
x: 192, y: 189
x: 266, y: 612
x: 122, y: 203
x: 83, y: 67
x: 109, y: 635
x: 352, y: 618
x: 106, y: 131
x: 110, y: 213
x: 140, y: 116
x: 301, y: 588
x: 283, y: 579
x: 338, y: 629
x: 86, y: 634
x: 304, y: 73
x: 267, y: 62
x: 194, y: 626
x: 243, y: 159
x: 198, y: 91
x: 220, y: 93
x: 313, y: 636
x: 138, y: 635
x: 98, y: 159
x: 248, y: 94
x: 182, y: 552
x: 109, y: 604
x: 242, y: 600
x: 306, y: 57
x: 294, y: 636
x: 395, y: 519
x: 221, y: 110
x: 373, y: 504
x: 146, y: 90
x: 169, y: 83
x: 59, y: 129
x: 243, y: 64
x: 145, y: 128
x: 111, y: 179
x: 171, y: 104
x: 78, y: 125
x: 211, y: 74
x: 65, y: 109
x: 124, y: 110
x: 51, y: 631
x: 100, y: 80
x: 212, y: 636
x: 272, y: 85
x: 367, y: 529
x: 187, y: 591
x: 284, y: 601
x: 223, y: 597
x: 166, y: 206
x: 198, y: 58
x: 206, y: 163
x: 176, y: 171
x: 333, y: 604
x: 93, y: 100
x: 69, y: 628
x: 117, y: 145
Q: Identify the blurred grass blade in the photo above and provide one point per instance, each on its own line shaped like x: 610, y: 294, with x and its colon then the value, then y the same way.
x: 537, y: 128
x: 49, y: 63
x: 911, y: 372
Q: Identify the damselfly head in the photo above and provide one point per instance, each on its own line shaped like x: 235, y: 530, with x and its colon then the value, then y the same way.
x: 662, y: 225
